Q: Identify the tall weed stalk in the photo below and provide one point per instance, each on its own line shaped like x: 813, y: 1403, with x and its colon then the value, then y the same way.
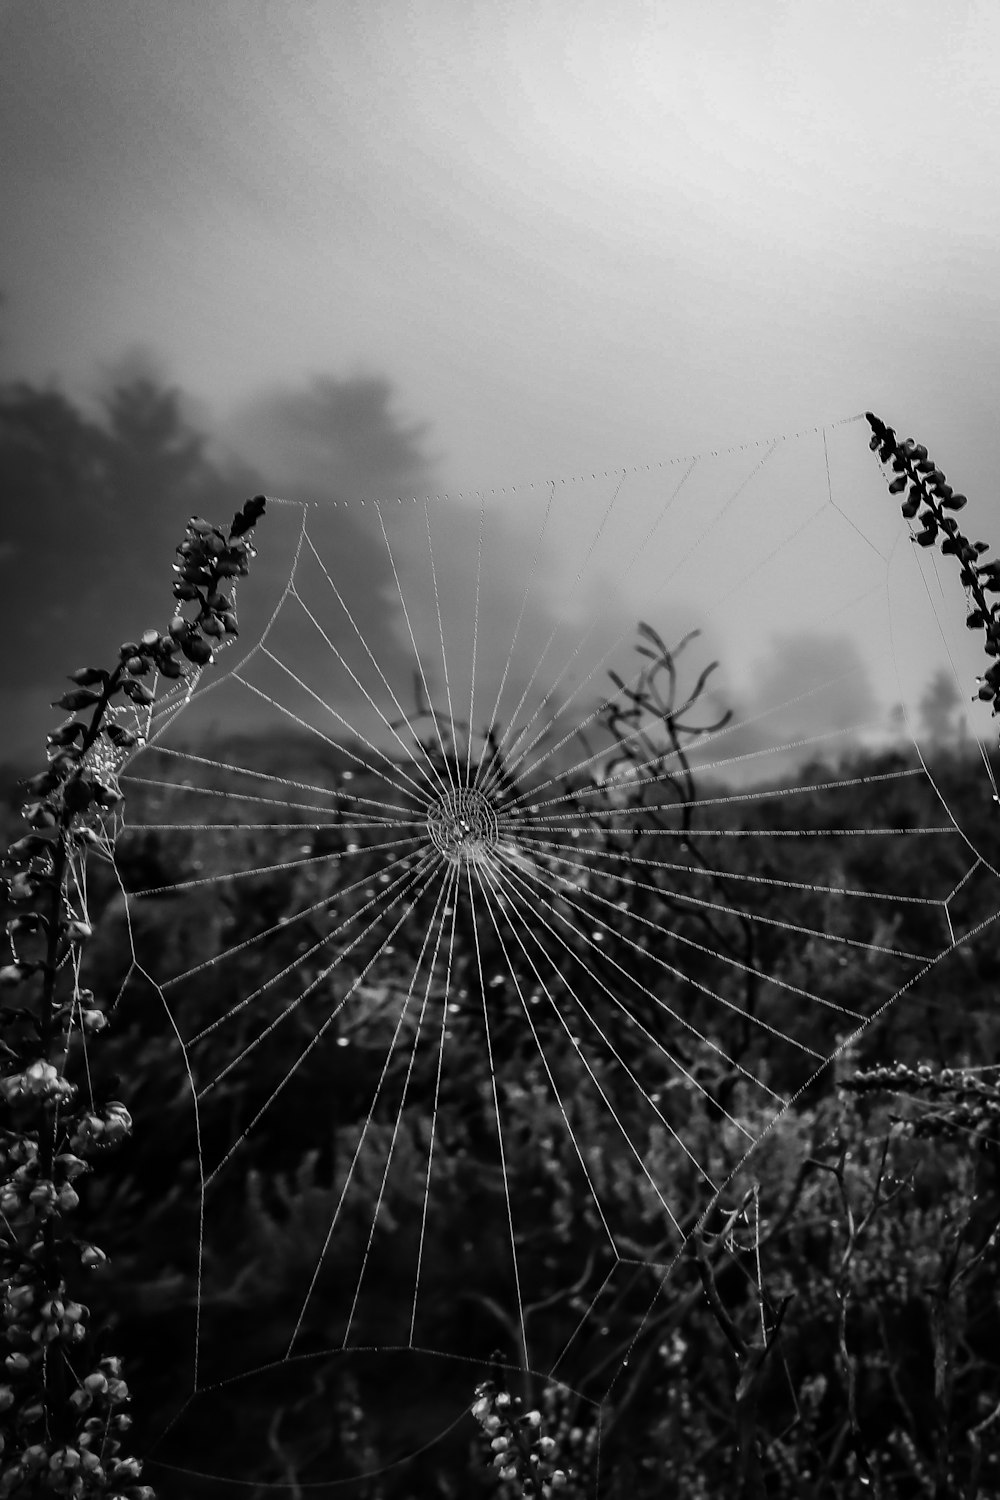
x: 63, y: 1410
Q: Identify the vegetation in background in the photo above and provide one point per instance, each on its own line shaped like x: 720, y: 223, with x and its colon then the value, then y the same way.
x: 835, y: 1324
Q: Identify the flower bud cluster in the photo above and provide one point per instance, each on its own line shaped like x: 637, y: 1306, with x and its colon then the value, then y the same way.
x: 930, y: 498
x: 967, y: 1105
x: 48, y: 1443
x: 89, y: 1463
x: 522, y: 1454
x: 207, y: 559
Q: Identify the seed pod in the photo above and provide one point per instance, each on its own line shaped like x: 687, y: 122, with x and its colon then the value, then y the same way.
x: 44, y: 782
x: 120, y: 737
x: 149, y: 639
x: 32, y: 921
x: 179, y: 627
x: 197, y: 649
x: 211, y: 626
x: 77, y: 699
x: 66, y: 733
x: 230, y: 623
x: 78, y: 794
x: 39, y: 815
x: 88, y: 676
x: 29, y: 847
x: 105, y: 796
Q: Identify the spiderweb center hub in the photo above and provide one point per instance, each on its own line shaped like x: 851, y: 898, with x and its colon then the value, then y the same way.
x: 463, y: 825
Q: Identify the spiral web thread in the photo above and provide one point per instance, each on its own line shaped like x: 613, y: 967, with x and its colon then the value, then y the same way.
x: 480, y: 880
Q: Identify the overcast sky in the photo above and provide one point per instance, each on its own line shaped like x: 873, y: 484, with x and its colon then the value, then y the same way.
x: 571, y: 236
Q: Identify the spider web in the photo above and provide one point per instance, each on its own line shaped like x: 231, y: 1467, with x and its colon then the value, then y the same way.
x: 477, y: 876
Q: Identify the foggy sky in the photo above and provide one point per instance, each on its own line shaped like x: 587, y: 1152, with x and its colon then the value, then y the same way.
x: 570, y: 238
